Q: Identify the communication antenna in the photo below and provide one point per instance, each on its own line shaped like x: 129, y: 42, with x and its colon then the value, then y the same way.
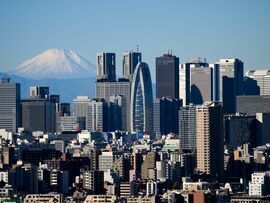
x: 137, y: 48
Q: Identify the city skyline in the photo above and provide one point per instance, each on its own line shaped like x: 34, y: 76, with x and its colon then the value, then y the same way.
x: 189, y: 29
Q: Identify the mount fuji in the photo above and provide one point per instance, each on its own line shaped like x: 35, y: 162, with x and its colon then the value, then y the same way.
x: 55, y: 64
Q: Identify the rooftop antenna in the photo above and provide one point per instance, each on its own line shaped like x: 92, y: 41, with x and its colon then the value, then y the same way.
x: 137, y: 48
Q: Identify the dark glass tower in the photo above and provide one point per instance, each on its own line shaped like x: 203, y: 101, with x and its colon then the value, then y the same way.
x: 106, y: 67
x: 167, y: 76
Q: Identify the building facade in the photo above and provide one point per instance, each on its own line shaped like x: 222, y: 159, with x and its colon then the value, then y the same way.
x: 167, y: 76
x: 10, y: 107
x: 209, y: 139
x: 106, y: 67
x: 130, y: 61
x: 141, y: 109
x: 231, y: 82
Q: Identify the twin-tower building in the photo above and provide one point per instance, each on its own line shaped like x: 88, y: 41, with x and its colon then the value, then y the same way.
x: 133, y: 91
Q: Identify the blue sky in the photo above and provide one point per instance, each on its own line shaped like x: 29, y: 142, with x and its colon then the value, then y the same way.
x: 212, y: 29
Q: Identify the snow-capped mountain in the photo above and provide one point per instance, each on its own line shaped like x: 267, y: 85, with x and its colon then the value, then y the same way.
x: 55, y: 63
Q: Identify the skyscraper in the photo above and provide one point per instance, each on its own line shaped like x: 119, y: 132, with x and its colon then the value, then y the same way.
x: 96, y: 116
x: 167, y: 76
x: 262, y: 78
x: 130, y: 61
x: 165, y: 115
x: 39, y: 92
x: 106, y: 67
x: 10, y: 108
x: 199, y: 81
x: 38, y: 114
x: 187, y: 128
x: 118, y: 112
x: 184, y: 83
x: 80, y: 109
x: 231, y: 82
x: 239, y: 129
x: 209, y: 139
x: 122, y: 87
x: 253, y: 104
x: 204, y: 84
x: 141, y: 99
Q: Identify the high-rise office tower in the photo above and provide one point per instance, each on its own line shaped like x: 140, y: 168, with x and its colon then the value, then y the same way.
x: 199, y: 82
x: 262, y: 78
x: 118, y: 112
x: 187, y: 128
x: 130, y: 61
x: 239, y: 129
x: 10, y: 108
x: 231, y: 82
x: 106, y: 67
x: 39, y: 92
x: 122, y: 87
x: 80, y: 109
x: 165, y: 115
x: 167, y: 76
x: 184, y: 83
x: 38, y: 114
x: 253, y: 104
x: 209, y: 139
x: 96, y: 119
x: 262, y: 128
x: 65, y: 109
x: 204, y: 84
x: 141, y: 109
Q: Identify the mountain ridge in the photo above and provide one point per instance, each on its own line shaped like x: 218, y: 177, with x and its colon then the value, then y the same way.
x: 55, y: 64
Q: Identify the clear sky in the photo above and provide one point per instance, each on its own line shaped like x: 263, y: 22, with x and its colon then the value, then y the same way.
x: 209, y: 28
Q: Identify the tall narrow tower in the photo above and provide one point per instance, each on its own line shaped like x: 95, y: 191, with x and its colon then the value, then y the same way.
x: 130, y: 61
x: 231, y: 82
x: 106, y: 67
x: 141, y: 99
x: 209, y: 139
x: 167, y: 76
x: 10, y: 110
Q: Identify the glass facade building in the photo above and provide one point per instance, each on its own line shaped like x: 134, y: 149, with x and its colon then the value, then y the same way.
x: 141, y: 100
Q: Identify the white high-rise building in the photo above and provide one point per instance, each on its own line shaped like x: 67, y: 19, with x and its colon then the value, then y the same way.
x: 80, y: 109
x: 262, y: 78
x: 260, y: 184
x: 151, y: 188
x: 231, y: 82
x: 95, y: 116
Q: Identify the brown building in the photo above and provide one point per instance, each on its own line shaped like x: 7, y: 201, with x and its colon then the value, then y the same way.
x: 148, y: 166
x: 210, y: 148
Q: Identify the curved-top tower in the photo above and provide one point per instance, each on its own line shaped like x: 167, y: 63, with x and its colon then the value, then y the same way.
x: 141, y: 99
